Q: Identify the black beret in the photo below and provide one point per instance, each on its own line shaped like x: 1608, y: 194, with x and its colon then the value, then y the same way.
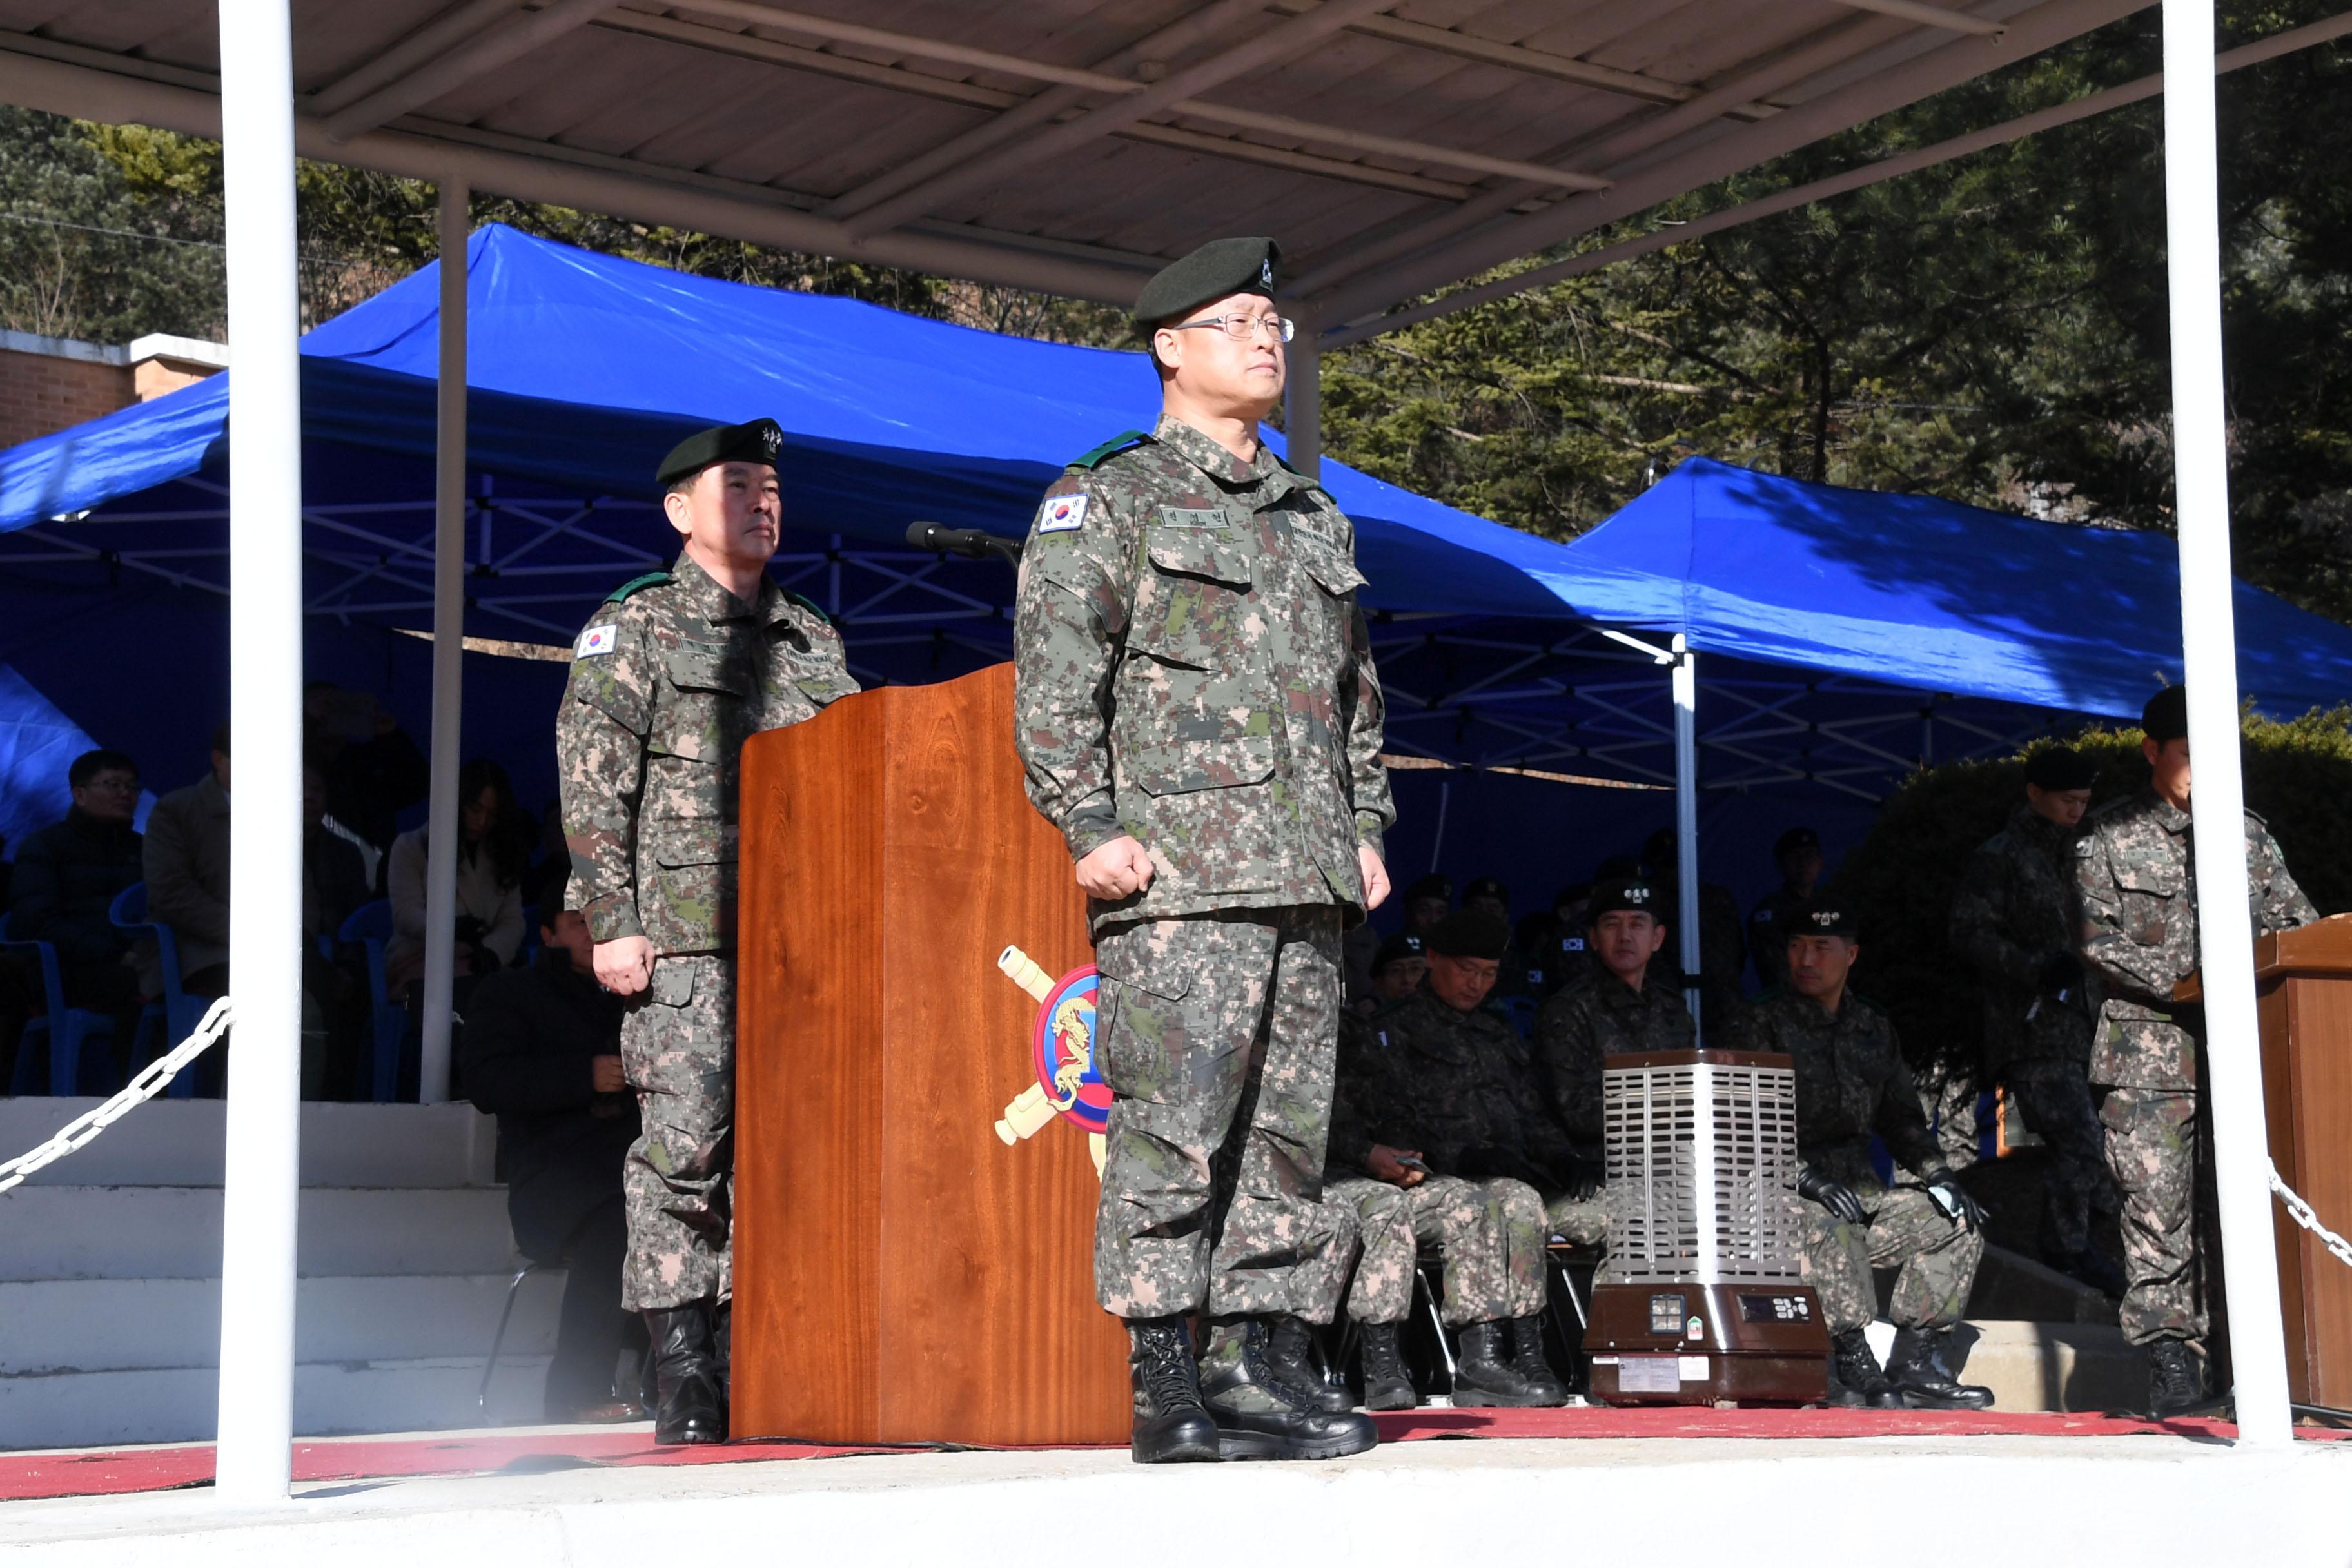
x: 757, y: 442
x: 1633, y: 893
x: 1471, y: 933
x: 1396, y: 949
x: 1617, y: 866
x: 1218, y: 269
x: 1822, y: 916
x: 2058, y: 768
x: 1796, y: 839
x: 2166, y: 717
x: 1436, y: 885
x: 1487, y: 888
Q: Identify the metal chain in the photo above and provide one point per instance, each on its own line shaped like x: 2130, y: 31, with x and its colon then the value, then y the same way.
x: 2300, y: 1211
x: 141, y: 1088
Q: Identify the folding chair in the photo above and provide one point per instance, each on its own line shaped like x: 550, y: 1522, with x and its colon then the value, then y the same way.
x: 67, y: 1029
x: 161, y: 1023
x: 370, y: 926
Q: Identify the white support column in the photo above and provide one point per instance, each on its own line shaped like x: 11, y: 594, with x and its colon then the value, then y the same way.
x: 1685, y: 679
x: 1302, y: 402
x: 442, y: 831
x: 263, y: 1170
x: 2233, y: 1110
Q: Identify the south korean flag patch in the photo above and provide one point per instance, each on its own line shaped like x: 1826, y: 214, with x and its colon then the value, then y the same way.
x: 596, y: 640
x: 1062, y: 514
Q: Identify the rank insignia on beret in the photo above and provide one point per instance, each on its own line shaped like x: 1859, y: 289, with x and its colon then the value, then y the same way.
x: 596, y: 640
x: 1063, y: 514
x: 1266, y: 272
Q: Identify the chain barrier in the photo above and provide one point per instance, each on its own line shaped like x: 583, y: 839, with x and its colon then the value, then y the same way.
x: 142, y: 1088
x: 2300, y: 1211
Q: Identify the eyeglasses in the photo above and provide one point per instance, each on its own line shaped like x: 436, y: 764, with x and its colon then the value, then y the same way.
x: 1244, y: 327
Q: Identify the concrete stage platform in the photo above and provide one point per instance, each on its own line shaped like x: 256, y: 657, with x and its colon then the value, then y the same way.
x: 2019, y: 1489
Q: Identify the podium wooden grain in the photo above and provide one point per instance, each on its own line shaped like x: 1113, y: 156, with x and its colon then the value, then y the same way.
x: 901, y: 1274
x: 2302, y: 989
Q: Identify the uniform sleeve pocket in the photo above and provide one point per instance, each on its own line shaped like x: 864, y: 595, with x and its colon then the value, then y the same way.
x: 1184, y: 766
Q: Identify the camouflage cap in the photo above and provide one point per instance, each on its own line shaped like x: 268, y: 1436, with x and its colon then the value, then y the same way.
x: 2166, y: 717
x: 1216, y: 270
x: 1633, y: 894
x: 2060, y: 768
x: 1396, y: 949
x: 1470, y: 933
x: 1823, y: 917
x: 759, y: 441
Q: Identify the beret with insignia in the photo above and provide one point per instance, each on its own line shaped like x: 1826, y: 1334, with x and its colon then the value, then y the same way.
x: 1796, y: 839
x: 1823, y: 917
x: 1471, y: 933
x: 758, y: 441
x: 1628, y: 893
x: 1436, y: 885
x: 1397, y: 950
x: 2166, y: 717
x: 1487, y: 888
x: 1218, y: 269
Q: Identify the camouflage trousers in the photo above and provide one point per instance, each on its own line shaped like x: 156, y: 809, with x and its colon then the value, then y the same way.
x: 1935, y: 1260
x: 678, y: 1049
x: 1487, y: 1234
x: 1583, y: 1224
x: 2152, y: 1153
x: 1947, y: 1098
x: 2055, y: 1093
x: 1216, y: 1034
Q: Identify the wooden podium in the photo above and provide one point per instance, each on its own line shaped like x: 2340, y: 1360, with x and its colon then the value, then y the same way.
x: 901, y: 1274
x: 2303, y: 986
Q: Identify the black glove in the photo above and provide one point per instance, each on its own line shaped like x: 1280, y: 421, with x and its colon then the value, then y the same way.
x: 1954, y: 1199
x: 1834, y: 1196
x: 1585, y: 1180
x: 2059, y: 972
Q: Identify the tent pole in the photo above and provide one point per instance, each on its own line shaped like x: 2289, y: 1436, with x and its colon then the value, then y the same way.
x: 1302, y: 413
x: 262, y: 1168
x: 448, y: 650
x: 2233, y: 1115
x: 1685, y: 685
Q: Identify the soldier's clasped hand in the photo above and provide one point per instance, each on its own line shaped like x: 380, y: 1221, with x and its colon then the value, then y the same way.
x: 1115, y: 870
x: 624, y: 965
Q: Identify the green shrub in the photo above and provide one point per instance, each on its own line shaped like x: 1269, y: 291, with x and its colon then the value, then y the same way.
x: 2298, y: 778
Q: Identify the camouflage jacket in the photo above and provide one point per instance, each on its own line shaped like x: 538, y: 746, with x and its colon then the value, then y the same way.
x: 2137, y: 882
x: 1190, y: 669
x: 1425, y: 1077
x: 1597, y: 1017
x: 669, y: 679
x: 1851, y: 1082
x: 1768, y: 937
x: 2014, y: 912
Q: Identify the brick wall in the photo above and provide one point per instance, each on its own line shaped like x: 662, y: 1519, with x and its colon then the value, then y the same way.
x: 41, y: 393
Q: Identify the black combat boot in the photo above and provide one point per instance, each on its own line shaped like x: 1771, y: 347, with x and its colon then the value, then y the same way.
x: 1529, y: 1361
x: 1386, y: 1386
x: 1256, y: 1418
x: 1855, y: 1381
x: 1170, y: 1426
x: 1290, y: 1351
x: 1924, y: 1378
x: 1481, y: 1377
x: 686, y: 1376
x: 723, y: 1355
x: 2176, y: 1378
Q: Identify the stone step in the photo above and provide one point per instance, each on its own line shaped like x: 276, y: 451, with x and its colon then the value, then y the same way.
x: 2080, y: 1367
x: 143, y: 1233
x: 57, y: 1326
x: 2010, y: 1285
x: 178, y: 1405
x: 179, y: 1142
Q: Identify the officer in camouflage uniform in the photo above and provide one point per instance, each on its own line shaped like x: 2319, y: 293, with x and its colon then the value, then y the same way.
x: 2138, y: 883
x: 1798, y: 854
x: 1610, y: 1010
x: 669, y: 678
x: 2014, y: 920
x: 1198, y: 711
x: 1852, y: 1082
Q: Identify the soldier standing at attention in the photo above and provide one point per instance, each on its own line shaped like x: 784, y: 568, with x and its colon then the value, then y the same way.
x: 1851, y: 1083
x: 1197, y: 709
x: 671, y: 676
x: 2138, y: 887
x: 1798, y: 854
x: 2015, y: 922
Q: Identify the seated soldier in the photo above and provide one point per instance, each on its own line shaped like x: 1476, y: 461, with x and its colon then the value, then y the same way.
x: 1852, y: 1082
x: 1614, y: 1008
x: 1397, y: 971
x: 1446, y: 1094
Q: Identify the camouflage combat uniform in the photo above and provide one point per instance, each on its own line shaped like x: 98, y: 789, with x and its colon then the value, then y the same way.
x: 1767, y: 935
x: 1851, y: 1083
x: 2014, y: 912
x: 2137, y: 882
x: 1576, y: 1031
x: 1471, y: 1224
x: 669, y: 678
x: 1191, y: 669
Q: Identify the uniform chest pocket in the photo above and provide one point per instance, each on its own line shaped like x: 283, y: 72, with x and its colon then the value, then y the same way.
x: 704, y: 709
x: 1327, y: 564
x: 1192, y: 606
x: 2162, y: 879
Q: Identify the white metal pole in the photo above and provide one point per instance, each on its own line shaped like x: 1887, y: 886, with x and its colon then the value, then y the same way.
x: 1685, y: 682
x: 262, y: 1170
x: 441, y: 829
x: 2233, y: 1112
x: 1302, y: 413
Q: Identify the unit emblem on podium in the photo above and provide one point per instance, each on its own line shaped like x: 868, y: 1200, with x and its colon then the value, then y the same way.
x: 1062, y: 1054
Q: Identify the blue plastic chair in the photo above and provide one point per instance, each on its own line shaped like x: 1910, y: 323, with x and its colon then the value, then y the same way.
x: 65, y: 1029
x: 164, y: 1024
x: 370, y: 926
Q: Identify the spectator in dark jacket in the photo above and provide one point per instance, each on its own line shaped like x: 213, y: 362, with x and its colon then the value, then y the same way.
x: 187, y: 856
x: 67, y: 875
x: 543, y: 1050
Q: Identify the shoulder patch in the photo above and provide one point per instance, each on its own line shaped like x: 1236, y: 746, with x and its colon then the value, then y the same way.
x: 596, y: 639
x: 810, y: 605
x: 1062, y: 514
x: 650, y: 580
x: 1110, y: 448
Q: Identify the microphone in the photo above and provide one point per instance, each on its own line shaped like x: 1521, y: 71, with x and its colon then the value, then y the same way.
x: 972, y: 542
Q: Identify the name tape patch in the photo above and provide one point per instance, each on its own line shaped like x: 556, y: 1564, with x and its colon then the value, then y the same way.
x: 597, y: 639
x: 1062, y: 514
x: 1189, y: 517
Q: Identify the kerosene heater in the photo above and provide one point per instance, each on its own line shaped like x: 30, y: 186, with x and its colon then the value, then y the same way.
x: 1699, y: 1302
